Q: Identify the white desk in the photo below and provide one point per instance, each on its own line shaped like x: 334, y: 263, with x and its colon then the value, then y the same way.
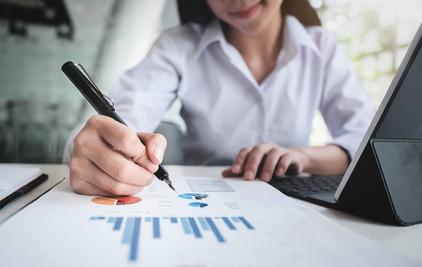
x: 406, y: 240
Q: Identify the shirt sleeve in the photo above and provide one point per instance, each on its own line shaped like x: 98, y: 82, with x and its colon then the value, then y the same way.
x: 345, y: 105
x: 145, y: 92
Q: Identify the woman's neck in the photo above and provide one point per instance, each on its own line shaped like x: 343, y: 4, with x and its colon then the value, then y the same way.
x: 260, y: 51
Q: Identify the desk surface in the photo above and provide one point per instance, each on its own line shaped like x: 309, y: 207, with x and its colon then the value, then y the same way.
x: 406, y: 240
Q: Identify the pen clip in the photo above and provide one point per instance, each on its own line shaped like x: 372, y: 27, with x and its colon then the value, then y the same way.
x: 109, y: 100
x: 85, y: 73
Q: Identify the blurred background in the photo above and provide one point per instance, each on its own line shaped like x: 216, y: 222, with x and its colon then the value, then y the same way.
x: 39, y: 107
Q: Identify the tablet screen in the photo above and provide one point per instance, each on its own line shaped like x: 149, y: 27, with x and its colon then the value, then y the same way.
x: 402, y: 118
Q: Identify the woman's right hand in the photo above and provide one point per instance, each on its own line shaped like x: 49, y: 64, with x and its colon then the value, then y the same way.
x: 111, y: 159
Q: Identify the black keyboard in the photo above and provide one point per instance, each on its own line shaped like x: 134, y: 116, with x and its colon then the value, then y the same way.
x: 306, y: 186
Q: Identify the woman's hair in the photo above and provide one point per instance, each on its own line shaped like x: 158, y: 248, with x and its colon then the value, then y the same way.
x: 194, y: 11
x: 198, y: 11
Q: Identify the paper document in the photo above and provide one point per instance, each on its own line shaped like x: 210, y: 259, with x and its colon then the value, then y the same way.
x: 208, y: 222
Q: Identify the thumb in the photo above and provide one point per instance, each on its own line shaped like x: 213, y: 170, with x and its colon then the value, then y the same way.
x: 155, y: 145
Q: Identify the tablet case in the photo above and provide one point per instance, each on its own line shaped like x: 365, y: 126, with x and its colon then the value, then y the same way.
x: 386, y: 184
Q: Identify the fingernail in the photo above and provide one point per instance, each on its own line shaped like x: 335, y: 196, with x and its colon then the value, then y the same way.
x: 265, y: 175
x: 236, y: 168
x: 159, y: 153
x: 248, y: 175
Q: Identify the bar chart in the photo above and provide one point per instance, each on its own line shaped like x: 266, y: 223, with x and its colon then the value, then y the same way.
x: 130, y: 227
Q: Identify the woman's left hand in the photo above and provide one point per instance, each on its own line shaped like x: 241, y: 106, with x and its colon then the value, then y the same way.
x: 275, y: 160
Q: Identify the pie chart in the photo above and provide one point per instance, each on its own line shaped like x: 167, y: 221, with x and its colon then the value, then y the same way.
x: 113, y: 201
x: 196, y: 196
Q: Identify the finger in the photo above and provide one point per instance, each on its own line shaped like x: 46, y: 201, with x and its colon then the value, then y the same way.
x: 78, y: 185
x: 252, y: 162
x: 105, y: 182
x: 271, y: 160
x: 238, y: 163
x: 119, y: 167
x: 283, y: 164
x: 92, y: 174
x: 229, y: 173
x: 122, y: 138
x: 155, y: 144
x: 83, y: 187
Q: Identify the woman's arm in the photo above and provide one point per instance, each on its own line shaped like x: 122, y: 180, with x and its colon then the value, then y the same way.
x: 111, y: 159
x: 324, y: 160
x: 268, y: 160
x: 345, y: 105
x: 143, y: 93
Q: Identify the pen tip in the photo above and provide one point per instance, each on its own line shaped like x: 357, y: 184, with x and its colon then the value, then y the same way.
x: 168, y: 182
x: 171, y: 186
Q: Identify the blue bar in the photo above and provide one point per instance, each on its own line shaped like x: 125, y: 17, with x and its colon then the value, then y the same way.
x: 203, y: 223
x: 118, y: 223
x: 196, y: 231
x: 111, y: 219
x: 94, y: 218
x: 186, y: 226
x: 246, y: 223
x: 127, y: 234
x: 133, y: 254
x: 229, y: 223
x: 213, y: 228
x: 156, y: 227
x: 191, y: 225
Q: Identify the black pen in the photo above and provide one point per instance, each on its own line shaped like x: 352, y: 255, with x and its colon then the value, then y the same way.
x: 101, y: 103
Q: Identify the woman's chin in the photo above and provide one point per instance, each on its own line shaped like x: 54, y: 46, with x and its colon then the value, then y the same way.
x: 252, y: 29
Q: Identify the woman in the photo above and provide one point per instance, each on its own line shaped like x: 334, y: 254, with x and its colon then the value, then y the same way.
x: 250, y: 82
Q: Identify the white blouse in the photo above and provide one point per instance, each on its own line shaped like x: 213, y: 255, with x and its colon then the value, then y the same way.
x: 225, y: 108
